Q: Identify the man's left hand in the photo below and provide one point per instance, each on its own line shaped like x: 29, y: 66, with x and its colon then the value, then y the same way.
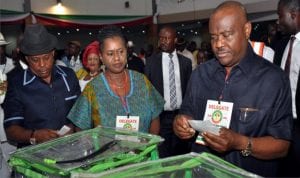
x: 225, y: 141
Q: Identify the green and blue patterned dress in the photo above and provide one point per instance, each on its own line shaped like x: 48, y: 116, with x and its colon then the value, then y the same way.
x: 99, y: 105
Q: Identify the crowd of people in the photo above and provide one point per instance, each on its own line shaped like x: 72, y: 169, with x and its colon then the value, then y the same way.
x: 249, y: 89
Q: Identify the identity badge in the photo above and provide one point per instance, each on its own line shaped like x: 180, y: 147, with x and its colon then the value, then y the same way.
x: 128, y: 123
x: 218, y: 113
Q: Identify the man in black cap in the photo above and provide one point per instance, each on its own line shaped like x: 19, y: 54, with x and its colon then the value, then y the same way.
x: 39, y: 98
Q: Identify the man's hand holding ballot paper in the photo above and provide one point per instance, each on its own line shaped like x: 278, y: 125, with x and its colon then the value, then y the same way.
x: 213, y: 129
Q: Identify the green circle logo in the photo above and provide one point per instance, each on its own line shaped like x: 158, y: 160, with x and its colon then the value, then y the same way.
x: 127, y: 126
x: 217, y: 116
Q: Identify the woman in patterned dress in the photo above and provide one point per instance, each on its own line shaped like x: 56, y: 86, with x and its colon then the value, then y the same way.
x: 117, y: 93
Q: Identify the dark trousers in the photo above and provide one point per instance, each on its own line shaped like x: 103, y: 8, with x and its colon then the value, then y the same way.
x: 289, y: 167
x: 172, y: 145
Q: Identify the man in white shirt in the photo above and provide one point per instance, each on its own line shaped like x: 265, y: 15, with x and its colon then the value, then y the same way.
x: 169, y: 73
x: 6, y: 65
x: 289, y: 22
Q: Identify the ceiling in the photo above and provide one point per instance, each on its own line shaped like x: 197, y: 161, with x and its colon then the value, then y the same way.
x: 257, y: 11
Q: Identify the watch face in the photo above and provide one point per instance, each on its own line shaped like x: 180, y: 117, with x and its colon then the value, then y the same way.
x: 246, y: 152
x: 32, y: 141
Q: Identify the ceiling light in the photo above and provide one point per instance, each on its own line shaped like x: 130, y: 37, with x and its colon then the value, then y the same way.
x: 58, y: 2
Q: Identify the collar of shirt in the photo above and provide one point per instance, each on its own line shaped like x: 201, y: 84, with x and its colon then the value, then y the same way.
x: 29, y: 76
x: 245, y: 64
x: 167, y: 54
x: 297, y: 36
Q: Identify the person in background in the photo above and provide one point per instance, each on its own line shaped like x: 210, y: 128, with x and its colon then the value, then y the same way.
x: 6, y: 65
x: 206, y: 46
x: 39, y: 98
x: 192, y: 47
x: 201, y: 57
x: 289, y: 23
x: 18, y: 57
x: 117, y: 94
x: 277, y: 39
x: 146, y: 52
x: 92, y: 64
x: 134, y: 62
x: 273, y: 35
x: 262, y: 50
x: 72, y: 58
x: 149, y: 50
x: 181, y: 49
x: 142, y: 55
x: 248, y: 97
x: 169, y: 72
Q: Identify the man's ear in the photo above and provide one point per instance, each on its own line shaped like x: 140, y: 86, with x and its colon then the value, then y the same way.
x: 247, y: 29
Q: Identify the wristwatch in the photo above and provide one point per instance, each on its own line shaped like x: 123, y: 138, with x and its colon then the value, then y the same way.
x: 32, y: 140
x: 248, y: 151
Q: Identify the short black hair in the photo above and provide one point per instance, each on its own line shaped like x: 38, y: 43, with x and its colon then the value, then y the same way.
x: 110, y: 32
x: 171, y: 29
x: 290, y: 4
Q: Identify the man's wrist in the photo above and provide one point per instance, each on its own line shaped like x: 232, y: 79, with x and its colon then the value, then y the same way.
x: 248, y: 150
x: 32, y: 139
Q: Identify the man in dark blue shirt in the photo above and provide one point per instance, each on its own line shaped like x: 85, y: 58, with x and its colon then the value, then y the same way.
x: 38, y: 99
x: 250, y: 83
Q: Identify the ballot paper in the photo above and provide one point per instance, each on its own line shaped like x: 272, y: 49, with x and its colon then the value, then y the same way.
x: 204, y: 126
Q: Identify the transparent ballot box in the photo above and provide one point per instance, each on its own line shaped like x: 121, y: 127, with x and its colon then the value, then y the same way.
x: 190, y: 165
x: 90, y: 151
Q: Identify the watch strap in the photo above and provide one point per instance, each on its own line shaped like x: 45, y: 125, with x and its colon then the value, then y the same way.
x: 32, y: 139
x: 248, y: 150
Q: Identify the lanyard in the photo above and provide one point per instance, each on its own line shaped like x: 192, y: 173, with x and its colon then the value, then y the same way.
x: 220, y: 98
x: 125, y: 105
x: 123, y: 99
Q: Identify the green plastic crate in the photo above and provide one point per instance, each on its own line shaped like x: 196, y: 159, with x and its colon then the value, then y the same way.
x: 191, y: 165
x: 46, y: 159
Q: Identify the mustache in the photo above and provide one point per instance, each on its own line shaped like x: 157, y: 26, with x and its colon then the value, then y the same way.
x: 163, y: 44
x: 221, y: 50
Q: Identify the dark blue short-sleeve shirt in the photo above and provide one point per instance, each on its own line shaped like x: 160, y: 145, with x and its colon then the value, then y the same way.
x: 34, y: 104
x: 253, y: 83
